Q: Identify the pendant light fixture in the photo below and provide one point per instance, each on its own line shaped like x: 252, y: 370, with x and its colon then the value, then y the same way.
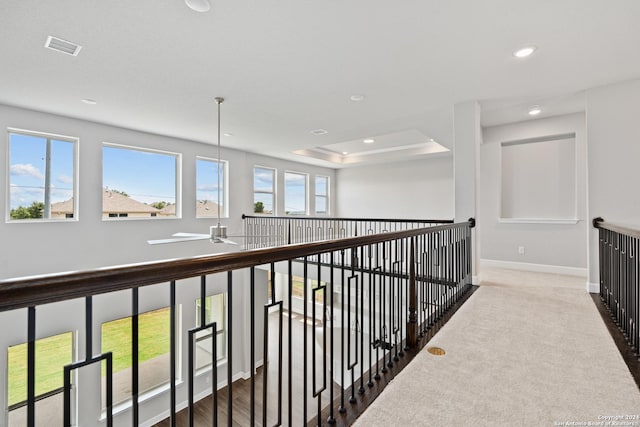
x: 219, y: 232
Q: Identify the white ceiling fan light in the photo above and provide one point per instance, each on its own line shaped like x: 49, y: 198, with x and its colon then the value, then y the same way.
x: 218, y: 232
x: 198, y: 5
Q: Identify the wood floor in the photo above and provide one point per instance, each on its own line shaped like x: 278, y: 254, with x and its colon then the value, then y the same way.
x: 241, y: 389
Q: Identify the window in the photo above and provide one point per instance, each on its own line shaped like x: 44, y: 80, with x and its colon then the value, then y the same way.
x: 295, y: 193
x: 154, y: 344
x: 138, y: 183
x: 264, y: 180
x: 297, y: 288
x: 42, y: 170
x: 211, y: 187
x: 539, y: 178
x: 215, y: 311
x: 322, y: 195
x: 52, y: 354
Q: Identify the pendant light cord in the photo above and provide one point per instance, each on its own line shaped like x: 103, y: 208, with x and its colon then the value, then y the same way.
x: 219, y: 101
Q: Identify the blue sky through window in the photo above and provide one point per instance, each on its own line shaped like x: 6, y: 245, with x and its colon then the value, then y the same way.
x: 207, y: 185
x: 27, y: 169
x: 263, y: 187
x: 146, y: 176
x: 295, y: 193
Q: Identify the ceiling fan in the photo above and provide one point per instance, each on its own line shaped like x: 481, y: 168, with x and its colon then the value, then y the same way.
x: 217, y: 233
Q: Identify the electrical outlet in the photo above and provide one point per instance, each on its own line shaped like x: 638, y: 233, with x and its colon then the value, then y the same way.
x: 520, y: 250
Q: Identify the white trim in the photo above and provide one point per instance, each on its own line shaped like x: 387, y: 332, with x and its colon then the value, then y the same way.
x: 539, y: 268
x: 538, y: 220
x: 593, y: 288
x: 475, y: 280
x: 247, y: 375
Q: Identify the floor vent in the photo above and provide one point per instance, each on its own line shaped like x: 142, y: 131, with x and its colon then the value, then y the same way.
x: 63, y: 46
x: 436, y: 351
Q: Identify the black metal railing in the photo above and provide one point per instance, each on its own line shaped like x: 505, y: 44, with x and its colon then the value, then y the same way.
x: 356, y: 323
x: 619, y: 264
x: 265, y: 230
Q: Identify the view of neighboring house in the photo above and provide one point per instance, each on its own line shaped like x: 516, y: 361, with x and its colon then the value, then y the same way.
x: 114, y: 205
x: 62, y: 209
x: 204, y: 209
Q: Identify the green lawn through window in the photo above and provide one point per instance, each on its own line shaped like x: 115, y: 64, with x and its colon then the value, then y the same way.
x: 53, y: 353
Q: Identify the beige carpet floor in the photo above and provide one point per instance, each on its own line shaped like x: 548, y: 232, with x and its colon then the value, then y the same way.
x: 527, y: 349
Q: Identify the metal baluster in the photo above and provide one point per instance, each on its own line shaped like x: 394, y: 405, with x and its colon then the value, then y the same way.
x: 31, y: 367
x: 304, y: 341
x: 331, y: 419
x: 89, y: 359
x: 265, y: 385
x: 360, y: 320
x: 342, y: 408
x: 172, y: 352
x: 317, y: 392
x: 135, y: 364
x: 230, y: 348
x: 290, y: 338
x: 203, y: 326
x: 252, y: 332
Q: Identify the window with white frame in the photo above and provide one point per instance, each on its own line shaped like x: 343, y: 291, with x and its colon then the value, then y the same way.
x: 42, y: 171
x: 139, y: 183
x: 264, y: 184
x: 51, y: 354
x: 295, y: 193
x: 154, y: 343
x: 211, y: 188
x: 215, y: 311
x: 322, y: 195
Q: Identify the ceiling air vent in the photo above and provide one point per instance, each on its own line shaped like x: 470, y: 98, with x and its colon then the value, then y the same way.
x: 63, y: 46
x: 319, y: 132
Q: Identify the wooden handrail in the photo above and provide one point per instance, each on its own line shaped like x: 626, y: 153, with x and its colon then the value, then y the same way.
x: 328, y: 218
x: 36, y: 290
x: 601, y: 223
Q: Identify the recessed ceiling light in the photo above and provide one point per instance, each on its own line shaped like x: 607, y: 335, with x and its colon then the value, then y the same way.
x: 368, y: 141
x: 535, y: 110
x: 524, y: 52
x: 357, y: 98
x: 198, y: 5
x: 90, y: 101
x: 227, y: 134
x: 344, y: 153
x: 319, y: 132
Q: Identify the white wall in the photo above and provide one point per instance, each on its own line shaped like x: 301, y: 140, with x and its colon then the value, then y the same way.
x: 613, y: 127
x: 415, y: 189
x: 555, y: 245
x: 90, y: 242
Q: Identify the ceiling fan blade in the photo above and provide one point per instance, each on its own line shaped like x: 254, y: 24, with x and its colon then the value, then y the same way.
x: 177, y: 239
x: 190, y: 235
x: 228, y: 242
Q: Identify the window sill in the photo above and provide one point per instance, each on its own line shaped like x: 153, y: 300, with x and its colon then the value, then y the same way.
x: 538, y: 220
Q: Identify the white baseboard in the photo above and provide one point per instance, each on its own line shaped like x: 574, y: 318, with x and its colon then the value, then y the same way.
x: 593, y: 288
x: 538, y: 268
x: 247, y: 375
x: 475, y: 280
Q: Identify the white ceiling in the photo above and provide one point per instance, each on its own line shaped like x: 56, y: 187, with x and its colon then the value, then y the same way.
x: 287, y: 67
